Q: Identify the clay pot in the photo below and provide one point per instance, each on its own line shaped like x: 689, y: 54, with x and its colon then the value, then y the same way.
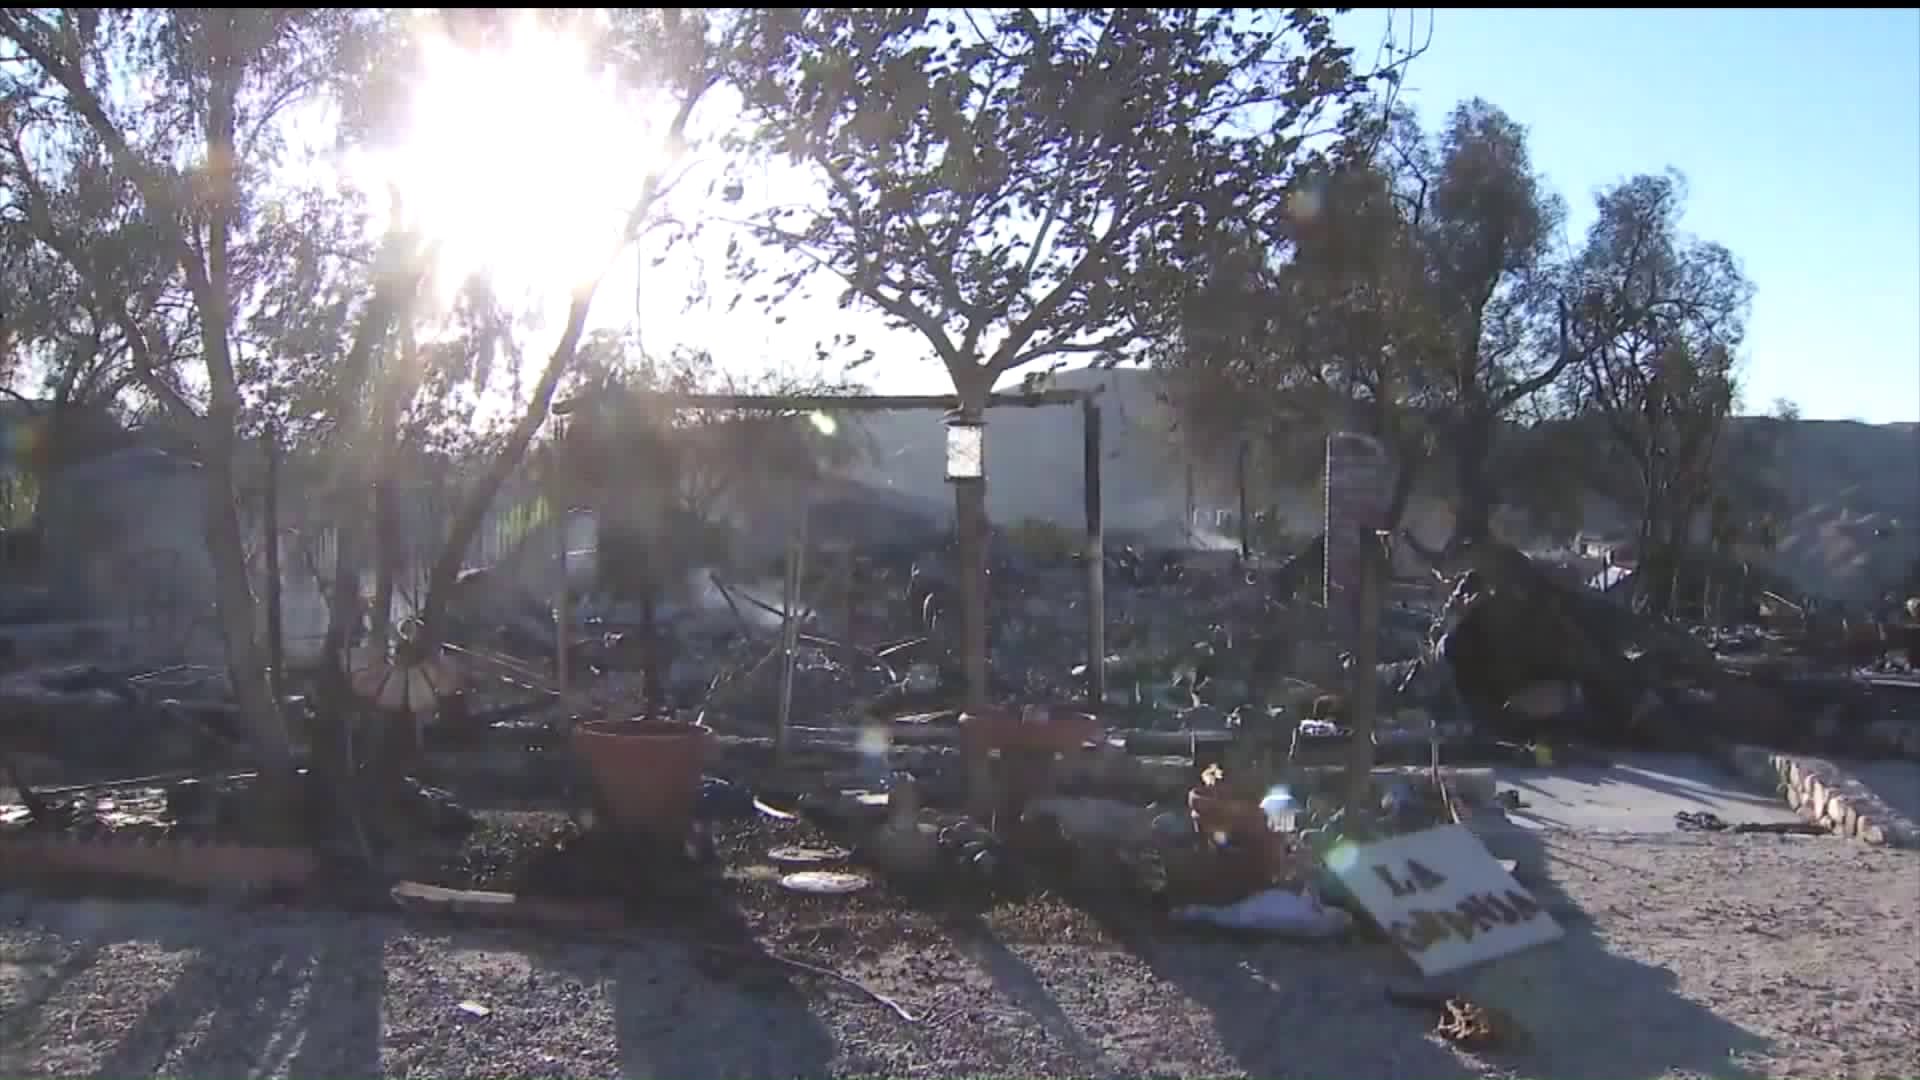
x: 646, y: 771
x: 1254, y: 852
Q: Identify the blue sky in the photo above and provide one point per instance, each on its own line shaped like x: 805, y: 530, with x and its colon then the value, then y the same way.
x: 1798, y: 132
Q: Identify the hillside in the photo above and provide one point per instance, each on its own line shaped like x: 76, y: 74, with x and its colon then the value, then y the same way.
x: 1855, y: 493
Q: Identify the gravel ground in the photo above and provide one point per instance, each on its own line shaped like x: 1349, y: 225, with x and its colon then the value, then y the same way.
x: 1686, y: 955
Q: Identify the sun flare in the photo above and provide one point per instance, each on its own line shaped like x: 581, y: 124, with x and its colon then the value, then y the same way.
x: 522, y: 160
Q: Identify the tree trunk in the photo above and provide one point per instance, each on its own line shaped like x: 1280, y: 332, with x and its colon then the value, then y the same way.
x: 276, y: 643
x: 1404, y: 475
x: 1474, y: 515
x: 472, y: 510
x: 1676, y: 547
x: 1656, y: 571
x: 233, y: 598
x: 338, y: 713
x: 386, y: 559
x: 972, y: 526
x: 336, y: 707
x: 213, y: 297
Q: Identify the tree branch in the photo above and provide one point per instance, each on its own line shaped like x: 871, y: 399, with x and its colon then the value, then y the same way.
x: 156, y: 187
x: 40, y: 217
x: 1528, y: 387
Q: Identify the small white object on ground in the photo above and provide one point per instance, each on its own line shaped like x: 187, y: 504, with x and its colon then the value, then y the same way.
x: 793, y: 855
x: 475, y: 1009
x: 823, y: 882
x: 1276, y: 911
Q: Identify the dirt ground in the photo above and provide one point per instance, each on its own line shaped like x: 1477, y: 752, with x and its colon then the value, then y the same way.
x: 1686, y: 955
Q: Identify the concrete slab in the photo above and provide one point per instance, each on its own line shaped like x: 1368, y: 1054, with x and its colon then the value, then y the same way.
x: 1639, y: 793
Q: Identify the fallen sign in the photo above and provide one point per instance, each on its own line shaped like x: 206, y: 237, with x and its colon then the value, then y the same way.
x: 1441, y: 897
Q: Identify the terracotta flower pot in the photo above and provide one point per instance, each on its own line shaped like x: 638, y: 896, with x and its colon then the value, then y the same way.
x: 1254, y: 853
x: 647, y: 771
x: 1222, y: 814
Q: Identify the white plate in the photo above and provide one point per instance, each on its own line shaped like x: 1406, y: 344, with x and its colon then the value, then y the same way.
x: 823, y: 882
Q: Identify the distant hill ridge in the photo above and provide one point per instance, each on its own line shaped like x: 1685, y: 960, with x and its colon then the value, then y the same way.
x: 1853, y: 489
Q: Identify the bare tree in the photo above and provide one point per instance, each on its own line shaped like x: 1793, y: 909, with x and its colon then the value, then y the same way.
x: 1484, y: 238
x: 1656, y: 318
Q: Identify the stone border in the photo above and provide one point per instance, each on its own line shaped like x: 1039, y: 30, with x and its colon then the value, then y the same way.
x: 1823, y: 793
x: 159, y: 860
x: 29, y: 857
x: 508, y: 909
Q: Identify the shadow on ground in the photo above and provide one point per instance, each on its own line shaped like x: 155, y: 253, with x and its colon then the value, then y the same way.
x: 1292, y: 1009
x: 1638, y: 792
x: 1590, y: 1013
x: 265, y: 1002
x: 700, y: 996
x: 1017, y: 982
x: 1284, y: 1009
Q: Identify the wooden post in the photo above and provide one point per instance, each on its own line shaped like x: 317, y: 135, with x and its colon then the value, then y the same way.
x: 789, y: 635
x: 1193, y: 511
x: 1363, y: 698
x: 850, y: 596
x: 562, y: 623
x: 276, y: 643
x: 1096, y: 559
x: 972, y: 530
x: 1240, y: 477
